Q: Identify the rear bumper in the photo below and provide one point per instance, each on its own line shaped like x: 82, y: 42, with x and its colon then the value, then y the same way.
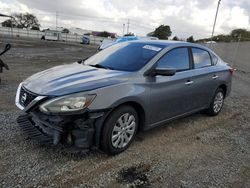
x: 78, y: 131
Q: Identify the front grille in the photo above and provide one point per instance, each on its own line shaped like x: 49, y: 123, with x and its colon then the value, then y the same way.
x: 31, y: 131
x: 26, y: 97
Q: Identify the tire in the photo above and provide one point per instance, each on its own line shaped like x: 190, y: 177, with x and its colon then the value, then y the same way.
x: 121, y: 125
x: 217, y: 103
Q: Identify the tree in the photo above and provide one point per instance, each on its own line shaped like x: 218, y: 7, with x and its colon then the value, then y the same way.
x: 65, y: 30
x: 88, y: 34
x: 240, y: 33
x: 162, y: 32
x: 27, y: 21
x: 35, y: 28
x: 190, y: 39
x: 235, y: 35
x: 175, y: 38
x: 222, y: 38
x: 7, y: 23
x: 129, y: 34
x: 104, y: 34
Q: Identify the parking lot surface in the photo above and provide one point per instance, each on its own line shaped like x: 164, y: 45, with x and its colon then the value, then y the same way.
x: 196, y: 151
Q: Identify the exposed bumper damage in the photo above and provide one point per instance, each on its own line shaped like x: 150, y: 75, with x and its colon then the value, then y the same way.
x: 78, y: 131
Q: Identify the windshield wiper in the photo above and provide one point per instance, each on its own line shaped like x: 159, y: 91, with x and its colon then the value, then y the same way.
x: 100, y: 66
x: 81, y: 61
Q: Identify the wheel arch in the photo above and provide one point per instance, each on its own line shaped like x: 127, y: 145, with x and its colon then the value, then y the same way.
x: 137, y: 106
x: 224, y: 88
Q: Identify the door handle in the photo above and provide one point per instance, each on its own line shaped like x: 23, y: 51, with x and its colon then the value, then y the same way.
x: 189, y: 82
x: 215, y: 77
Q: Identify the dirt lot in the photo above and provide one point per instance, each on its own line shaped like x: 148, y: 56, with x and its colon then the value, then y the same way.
x: 196, y: 151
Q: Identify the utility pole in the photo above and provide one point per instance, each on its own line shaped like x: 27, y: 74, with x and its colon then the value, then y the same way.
x: 11, y: 22
x: 56, y: 19
x: 123, y: 29
x: 128, y: 26
x: 215, y: 19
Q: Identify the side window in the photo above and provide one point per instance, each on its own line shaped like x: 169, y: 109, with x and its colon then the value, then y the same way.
x: 177, y: 58
x: 201, y: 58
x: 214, y: 59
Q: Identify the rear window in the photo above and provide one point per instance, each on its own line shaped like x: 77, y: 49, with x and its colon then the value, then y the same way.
x: 201, y: 58
x: 214, y: 59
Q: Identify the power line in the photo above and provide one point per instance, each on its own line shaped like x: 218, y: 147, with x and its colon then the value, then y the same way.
x: 91, y: 17
x: 110, y: 20
x: 142, y: 26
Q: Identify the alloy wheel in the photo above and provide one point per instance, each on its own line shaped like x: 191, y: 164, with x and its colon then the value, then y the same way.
x: 218, y: 102
x: 123, y: 130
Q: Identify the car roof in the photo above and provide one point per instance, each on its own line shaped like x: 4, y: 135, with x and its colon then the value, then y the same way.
x: 158, y: 42
x: 169, y: 43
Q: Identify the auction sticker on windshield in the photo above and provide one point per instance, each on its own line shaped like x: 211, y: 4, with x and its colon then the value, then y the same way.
x: 154, y: 48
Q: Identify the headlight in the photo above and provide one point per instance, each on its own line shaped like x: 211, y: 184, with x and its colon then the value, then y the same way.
x: 66, y: 104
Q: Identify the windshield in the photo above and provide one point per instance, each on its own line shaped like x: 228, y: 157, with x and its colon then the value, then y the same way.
x: 125, y: 56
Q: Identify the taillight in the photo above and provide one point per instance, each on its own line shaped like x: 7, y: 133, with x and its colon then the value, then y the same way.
x: 231, y: 70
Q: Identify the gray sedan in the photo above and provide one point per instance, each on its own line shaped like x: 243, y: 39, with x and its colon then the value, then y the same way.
x: 103, y: 101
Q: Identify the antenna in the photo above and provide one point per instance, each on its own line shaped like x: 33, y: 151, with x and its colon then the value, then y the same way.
x: 56, y: 19
x: 128, y: 26
x: 123, y: 29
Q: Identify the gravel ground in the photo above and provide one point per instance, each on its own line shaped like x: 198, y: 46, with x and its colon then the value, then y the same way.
x: 196, y: 151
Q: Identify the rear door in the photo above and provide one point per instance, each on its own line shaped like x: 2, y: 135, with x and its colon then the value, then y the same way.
x: 171, y: 96
x: 204, y: 77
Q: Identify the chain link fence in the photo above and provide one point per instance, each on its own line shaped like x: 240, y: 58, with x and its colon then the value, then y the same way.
x: 237, y: 54
x: 33, y: 34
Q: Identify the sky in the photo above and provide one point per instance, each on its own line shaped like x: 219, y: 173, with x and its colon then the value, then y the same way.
x: 185, y: 17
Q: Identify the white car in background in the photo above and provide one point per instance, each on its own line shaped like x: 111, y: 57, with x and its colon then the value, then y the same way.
x: 211, y: 42
x: 52, y: 35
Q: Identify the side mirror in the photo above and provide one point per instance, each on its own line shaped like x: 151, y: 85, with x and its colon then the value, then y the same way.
x: 80, y: 61
x: 164, y: 71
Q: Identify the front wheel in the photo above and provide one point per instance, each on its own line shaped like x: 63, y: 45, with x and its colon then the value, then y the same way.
x: 217, y: 103
x: 119, y: 130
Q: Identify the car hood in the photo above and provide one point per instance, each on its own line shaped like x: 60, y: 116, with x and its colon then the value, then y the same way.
x: 72, y: 78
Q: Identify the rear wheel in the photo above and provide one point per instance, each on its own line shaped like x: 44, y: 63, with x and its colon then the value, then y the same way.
x: 217, y: 103
x: 119, y: 130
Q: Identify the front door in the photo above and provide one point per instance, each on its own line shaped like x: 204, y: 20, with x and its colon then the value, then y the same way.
x: 171, y: 96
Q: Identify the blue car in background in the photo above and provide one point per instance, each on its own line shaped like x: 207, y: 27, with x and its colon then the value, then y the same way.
x: 109, y: 42
x: 85, y: 40
x: 127, y: 38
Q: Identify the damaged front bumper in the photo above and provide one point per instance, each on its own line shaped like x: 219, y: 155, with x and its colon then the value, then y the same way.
x: 81, y: 131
